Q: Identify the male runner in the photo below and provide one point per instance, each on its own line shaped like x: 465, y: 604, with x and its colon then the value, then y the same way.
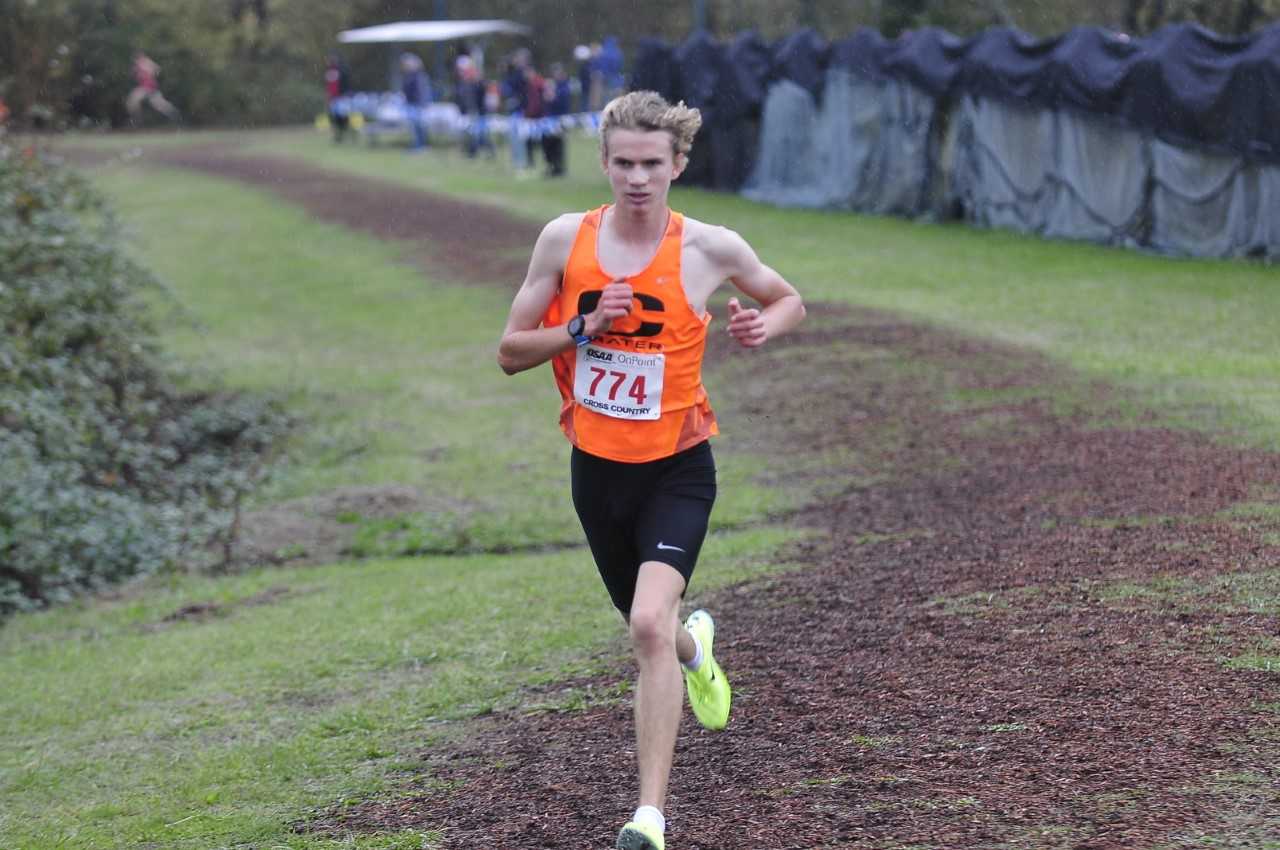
x: 616, y: 299
x: 147, y: 90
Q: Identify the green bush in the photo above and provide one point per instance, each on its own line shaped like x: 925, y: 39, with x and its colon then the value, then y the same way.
x: 109, y: 469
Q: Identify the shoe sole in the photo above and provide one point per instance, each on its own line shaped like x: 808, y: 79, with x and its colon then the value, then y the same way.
x: 717, y: 724
x: 634, y: 841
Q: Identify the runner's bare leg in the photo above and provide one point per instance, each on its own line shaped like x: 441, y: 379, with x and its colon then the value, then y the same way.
x: 656, y: 634
x: 133, y: 103
x: 164, y: 107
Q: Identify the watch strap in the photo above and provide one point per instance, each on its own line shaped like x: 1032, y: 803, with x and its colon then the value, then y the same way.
x: 576, y: 327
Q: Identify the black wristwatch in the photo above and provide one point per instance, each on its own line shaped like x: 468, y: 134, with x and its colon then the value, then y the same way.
x: 577, y: 327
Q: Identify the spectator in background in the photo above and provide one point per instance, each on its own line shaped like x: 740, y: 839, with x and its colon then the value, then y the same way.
x: 515, y: 94
x: 559, y: 99
x: 595, y: 73
x: 582, y: 55
x: 337, y: 85
x: 471, y: 100
x: 535, y: 110
x: 146, y: 75
x: 610, y: 64
x: 416, y: 88
x: 492, y: 97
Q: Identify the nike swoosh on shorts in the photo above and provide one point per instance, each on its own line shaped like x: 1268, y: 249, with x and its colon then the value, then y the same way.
x: 672, y: 548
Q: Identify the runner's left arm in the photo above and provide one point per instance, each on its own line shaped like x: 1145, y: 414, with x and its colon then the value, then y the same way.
x: 781, y: 306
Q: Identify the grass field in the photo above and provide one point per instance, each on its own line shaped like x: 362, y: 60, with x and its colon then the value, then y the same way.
x: 298, y: 688
x: 1195, y: 336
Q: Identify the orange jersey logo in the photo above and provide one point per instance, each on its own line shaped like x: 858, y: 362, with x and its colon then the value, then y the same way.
x: 634, y: 394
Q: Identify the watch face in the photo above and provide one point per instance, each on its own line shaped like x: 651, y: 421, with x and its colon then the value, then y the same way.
x: 576, y: 325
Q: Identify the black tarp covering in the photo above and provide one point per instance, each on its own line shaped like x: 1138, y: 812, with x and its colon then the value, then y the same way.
x: 1183, y: 84
x: 652, y: 70
x: 698, y: 65
x: 929, y: 59
x: 741, y: 91
x: 802, y: 58
x: 727, y: 83
x: 745, y: 84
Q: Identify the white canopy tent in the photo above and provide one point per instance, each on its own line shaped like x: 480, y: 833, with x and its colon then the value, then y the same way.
x: 442, y: 117
x: 407, y: 31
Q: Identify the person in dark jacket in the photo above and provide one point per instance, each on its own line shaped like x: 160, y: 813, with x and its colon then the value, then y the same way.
x: 609, y: 64
x: 515, y: 94
x: 558, y: 95
x: 471, y: 101
x: 416, y: 89
x: 582, y: 55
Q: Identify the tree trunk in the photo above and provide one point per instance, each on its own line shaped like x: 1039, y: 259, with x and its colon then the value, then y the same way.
x: 1000, y: 9
x: 1250, y: 12
x: 1132, y: 15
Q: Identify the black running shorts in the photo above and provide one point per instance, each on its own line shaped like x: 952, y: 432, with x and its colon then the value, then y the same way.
x: 638, y: 512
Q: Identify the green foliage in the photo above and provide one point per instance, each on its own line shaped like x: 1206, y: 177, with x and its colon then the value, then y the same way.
x: 110, y: 471
x: 1230, y: 17
x: 899, y: 15
x: 68, y: 62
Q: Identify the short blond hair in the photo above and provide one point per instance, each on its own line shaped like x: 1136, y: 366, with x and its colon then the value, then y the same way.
x: 648, y: 110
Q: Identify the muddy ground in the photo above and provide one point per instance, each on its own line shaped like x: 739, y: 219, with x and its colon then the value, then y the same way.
x: 965, y: 657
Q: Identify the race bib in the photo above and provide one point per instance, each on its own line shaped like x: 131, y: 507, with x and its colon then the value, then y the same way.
x: 618, y: 383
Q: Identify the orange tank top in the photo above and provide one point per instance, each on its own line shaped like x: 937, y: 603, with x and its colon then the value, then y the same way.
x: 633, y: 394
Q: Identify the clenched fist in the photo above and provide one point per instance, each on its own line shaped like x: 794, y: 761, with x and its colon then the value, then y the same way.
x: 615, y: 302
x: 746, y: 325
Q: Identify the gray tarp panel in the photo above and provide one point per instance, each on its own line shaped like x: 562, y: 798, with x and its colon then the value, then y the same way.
x: 1066, y: 175
x: 1003, y: 165
x: 895, y: 179
x: 1214, y: 206
x: 1101, y: 171
x: 865, y: 148
x: 1058, y: 174
x: 786, y: 171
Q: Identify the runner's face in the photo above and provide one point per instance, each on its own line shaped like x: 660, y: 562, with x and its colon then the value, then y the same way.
x: 640, y: 165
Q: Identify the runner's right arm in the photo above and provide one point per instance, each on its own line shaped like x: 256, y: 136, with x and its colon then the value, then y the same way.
x: 525, y: 343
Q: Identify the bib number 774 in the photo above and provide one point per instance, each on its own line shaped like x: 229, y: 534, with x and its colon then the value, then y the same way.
x: 618, y: 384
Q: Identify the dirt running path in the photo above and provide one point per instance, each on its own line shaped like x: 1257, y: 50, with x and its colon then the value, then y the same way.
x: 472, y: 243
x: 969, y: 658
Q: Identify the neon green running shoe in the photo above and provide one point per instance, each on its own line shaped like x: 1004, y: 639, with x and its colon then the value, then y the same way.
x: 639, y: 836
x: 709, y: 694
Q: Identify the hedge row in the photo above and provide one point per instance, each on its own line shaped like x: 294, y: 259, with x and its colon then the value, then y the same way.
x: 110, y: 466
